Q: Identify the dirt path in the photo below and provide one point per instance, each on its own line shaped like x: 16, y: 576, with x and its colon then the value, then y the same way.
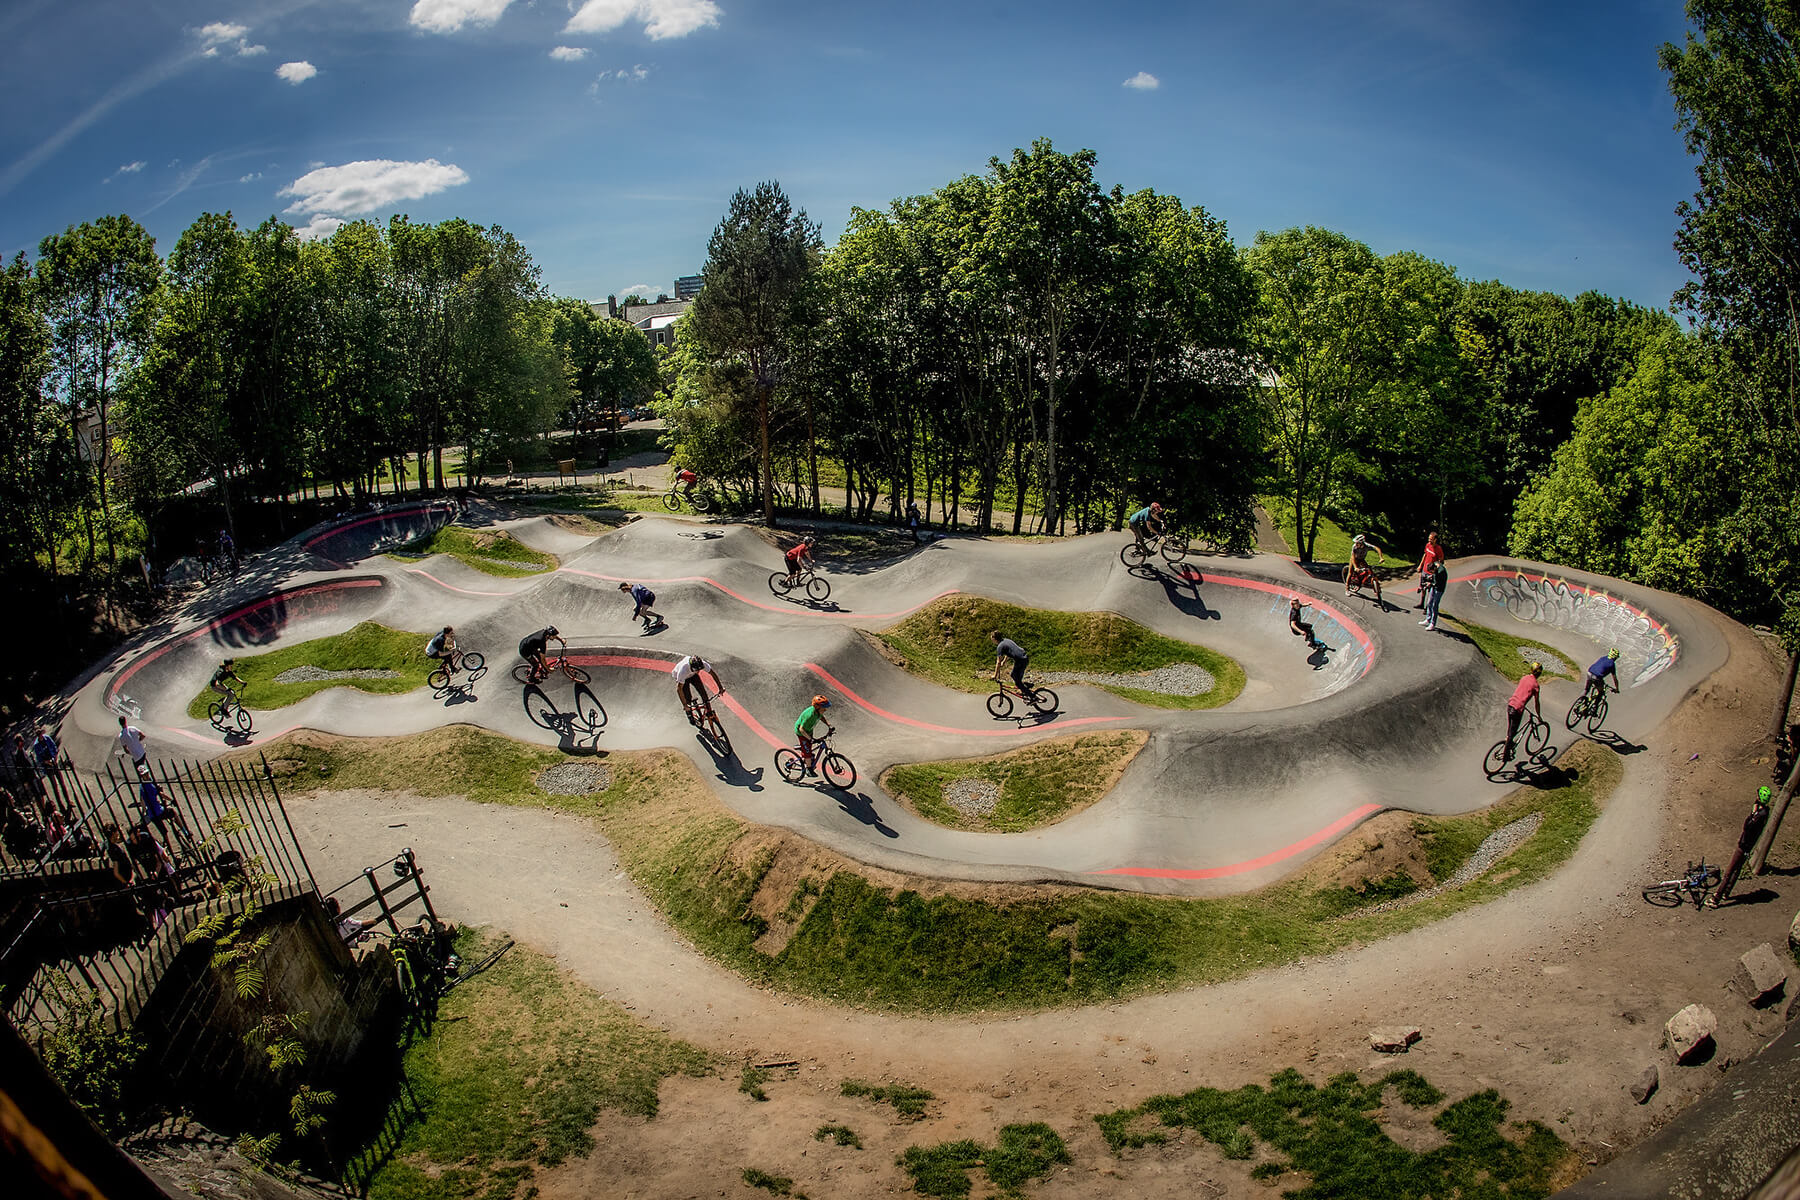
x: 1555, y: 995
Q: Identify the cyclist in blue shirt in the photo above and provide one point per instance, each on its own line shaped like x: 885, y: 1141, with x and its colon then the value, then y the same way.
x: 1146, y: 520
x: 642, y: 598
x: 1605, y: 668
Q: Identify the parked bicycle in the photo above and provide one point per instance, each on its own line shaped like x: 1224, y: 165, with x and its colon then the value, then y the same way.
x: 1040, y: 700
x: 1695, y: 883
x: 1532, y: 738
x: 837, y: 770
x: 470, y: 663
x: 527, y: 674
x: 701, y: 716
x: 424, y: 958
x: 816, y: 587
x: 228, y: 713
x: 1589, y: 709
x: 698, y: 498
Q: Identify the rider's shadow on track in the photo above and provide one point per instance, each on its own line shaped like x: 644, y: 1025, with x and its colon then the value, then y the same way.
x: 1614, y: 742
x: 731, y: 772
x: 460, y: 693
x: 862, y: 808
x: 1538, y: 770
x: 1182, y: 587
x: 577, y: 730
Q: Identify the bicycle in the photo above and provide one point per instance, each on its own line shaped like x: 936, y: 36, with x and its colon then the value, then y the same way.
x: 837, y: 770
x: 1041, y: 700
x: 216, y: 567
x: 1697, y: 881
x: 228, y: 711
x: 528, y: 675
x: 700, y: 714
x: 1533, y: 737
x: 472, y: 662
x: 1172, y: 546
x: 817, y: 590
x: 423, y: 960
x: 1589, y: 707
x: 699, y: 499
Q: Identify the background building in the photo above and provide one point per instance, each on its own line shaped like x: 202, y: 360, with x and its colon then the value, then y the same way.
x: 687, y: 287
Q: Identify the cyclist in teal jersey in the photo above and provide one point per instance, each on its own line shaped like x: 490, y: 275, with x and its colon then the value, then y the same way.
x: 1146, y: 520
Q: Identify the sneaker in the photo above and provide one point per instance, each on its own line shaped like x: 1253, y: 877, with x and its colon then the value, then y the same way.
x: 1427, y: 624
x: 1431, y: 628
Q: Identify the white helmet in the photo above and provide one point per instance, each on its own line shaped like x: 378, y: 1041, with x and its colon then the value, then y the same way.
x: 1361, y: 538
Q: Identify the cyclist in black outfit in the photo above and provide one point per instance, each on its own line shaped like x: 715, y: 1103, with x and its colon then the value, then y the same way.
x: 533, y: 646
x: 1005, y: 648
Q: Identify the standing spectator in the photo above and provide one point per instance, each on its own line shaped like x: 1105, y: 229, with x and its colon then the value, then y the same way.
x: 1786, y: 750
x: 1436, y: 580
x: 1433, y: 554
x: 913, y: 520
x: 118, y: 858
x: 153, y: 863
x: 1752, y: 831
x: 131, y: 740
x: 45, y: 749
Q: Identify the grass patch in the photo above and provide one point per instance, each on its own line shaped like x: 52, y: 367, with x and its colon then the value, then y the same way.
x: 1020, y: 1154
x: 843, y: 1135
x: 947, y: 642
x: 1332, y: 545
x: 779, y: 1185
x: 1039, y: 784
x: 1502, y: 649
x: 908, y: 1101
x: 367, y: 647
x: 512, y: 1076
x: 750, y: 1083
x: 1333, y: 1135
x: 869, y: 939
x: 494, y: 552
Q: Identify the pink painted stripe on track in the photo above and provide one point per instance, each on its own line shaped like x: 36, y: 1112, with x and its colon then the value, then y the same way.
x: 1353, y: 817
x: 657, y: 664
x: 452, y: 587
x: 409, y: 510
x: 833, y: 680
x: 774, y: 608
x: 1287, y: 593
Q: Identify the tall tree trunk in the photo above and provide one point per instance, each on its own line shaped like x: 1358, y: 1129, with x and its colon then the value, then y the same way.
x: 766, y: 465
x: 1778, y: 727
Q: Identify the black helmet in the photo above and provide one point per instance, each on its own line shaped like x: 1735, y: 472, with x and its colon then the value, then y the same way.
x: 552, y: 632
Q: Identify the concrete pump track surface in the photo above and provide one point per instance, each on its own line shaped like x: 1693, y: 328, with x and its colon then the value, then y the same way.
x: 1552, y: 992
x: 1223, y: 800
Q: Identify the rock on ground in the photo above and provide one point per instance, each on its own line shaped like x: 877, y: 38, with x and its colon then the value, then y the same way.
x: 1761, y: 975
x: 1394, y: 1040
x: 1690, y: 1032
x: 1646, y: 1084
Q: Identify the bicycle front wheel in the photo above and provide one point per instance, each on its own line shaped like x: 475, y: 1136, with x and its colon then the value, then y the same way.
x: 1669, y: 894
x: 717, y: 731
x: 818, y: 590
x: 839, y: 771
x: 1578, y: 712
x: 1000, y: 704
x: 672, y: 502
x: 575, y: 673
x: 473, y: 662
x: 1537, y: 737
x: 789, y: 765
x: 1175, y: 548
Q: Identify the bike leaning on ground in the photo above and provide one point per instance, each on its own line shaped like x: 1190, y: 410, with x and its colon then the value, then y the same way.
x: 1694, y: 884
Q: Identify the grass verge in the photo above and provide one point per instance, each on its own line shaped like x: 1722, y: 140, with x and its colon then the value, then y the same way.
x: 368, y: 647
x: 1039, y: 784
x: 512, y: 1076
x: 1503, y: 650
x: 1021, y: 1154
x: 1333, y: 1135
x: 490, y: 552
x: 856, y: 935
x: 947, y: 642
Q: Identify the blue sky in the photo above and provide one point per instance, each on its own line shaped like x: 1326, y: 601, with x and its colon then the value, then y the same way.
x: 1528, y: 142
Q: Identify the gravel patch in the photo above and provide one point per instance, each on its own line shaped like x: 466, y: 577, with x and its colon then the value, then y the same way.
x: 515, y: 563
x: 1530, y: 654
x: 972, y: 797
x: 1176, y: 679
x: 1494, y: 847
x: 574, y: 779
x: 316, y: 675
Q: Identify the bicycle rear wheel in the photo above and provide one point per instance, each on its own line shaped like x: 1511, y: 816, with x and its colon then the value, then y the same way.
x: 215, y: 713
x: 1669, y: 894
x: 1495, y: 762
x: 839, y: 771
x: 1578, y: 712
x: 1000, y: 705
x: 818, y: 590
x: 789, y: 765
x: 1043, y: 700
x: 778, y: 583
x: 701, y: 502
x: 1133, y: 555
x: 1596, y: 716
x: 439, y: 680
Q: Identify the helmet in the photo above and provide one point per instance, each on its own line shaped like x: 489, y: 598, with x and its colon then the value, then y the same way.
x: 1536, y: 668
x: 624, y: 587
x: 229, y: 662
x: 811, y: 540
x: 1155, y: 506
x: 552, y: 632
x: 821, y: 701
x: 1361, y: 538
x: 1613, y: 653
x: 1762, y: 794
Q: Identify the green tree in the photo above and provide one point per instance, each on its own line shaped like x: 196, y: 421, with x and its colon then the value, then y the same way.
x: 97, y: 284
x: 1736, y: 86
x: 609, y: 362
x: 35, y: 455
x: 759, y: 265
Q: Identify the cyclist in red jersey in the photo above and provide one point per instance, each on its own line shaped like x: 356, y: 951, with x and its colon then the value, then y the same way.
x: 799, y: 558
x: 1526, y: 693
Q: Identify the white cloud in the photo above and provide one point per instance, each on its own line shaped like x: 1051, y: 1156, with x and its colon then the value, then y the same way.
x: 360, y: 187
x: 448, y: 16
x: 661, y: 18
x: 1143, y: 81
x: 635, y: 74
x: 296, y: 72
x: 637, y: 289
x: 222, y: 31
x: 246, y: 50
x: 252, y: 177
x: 569, y: 53
x: 320, y: 226
x: 131, y: 168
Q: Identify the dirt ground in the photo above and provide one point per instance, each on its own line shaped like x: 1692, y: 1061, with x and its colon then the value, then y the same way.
x: 1555, y: 995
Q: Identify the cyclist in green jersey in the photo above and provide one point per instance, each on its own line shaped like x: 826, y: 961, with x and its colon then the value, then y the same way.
x: 809, y: 721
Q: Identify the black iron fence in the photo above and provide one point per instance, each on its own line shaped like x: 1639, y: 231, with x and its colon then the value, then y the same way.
x: 102, y: 874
